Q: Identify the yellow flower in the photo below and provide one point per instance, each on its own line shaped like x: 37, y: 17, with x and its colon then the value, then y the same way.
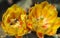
x: 14, y: 21
x: 52, y: 31
x: 43, y: 17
